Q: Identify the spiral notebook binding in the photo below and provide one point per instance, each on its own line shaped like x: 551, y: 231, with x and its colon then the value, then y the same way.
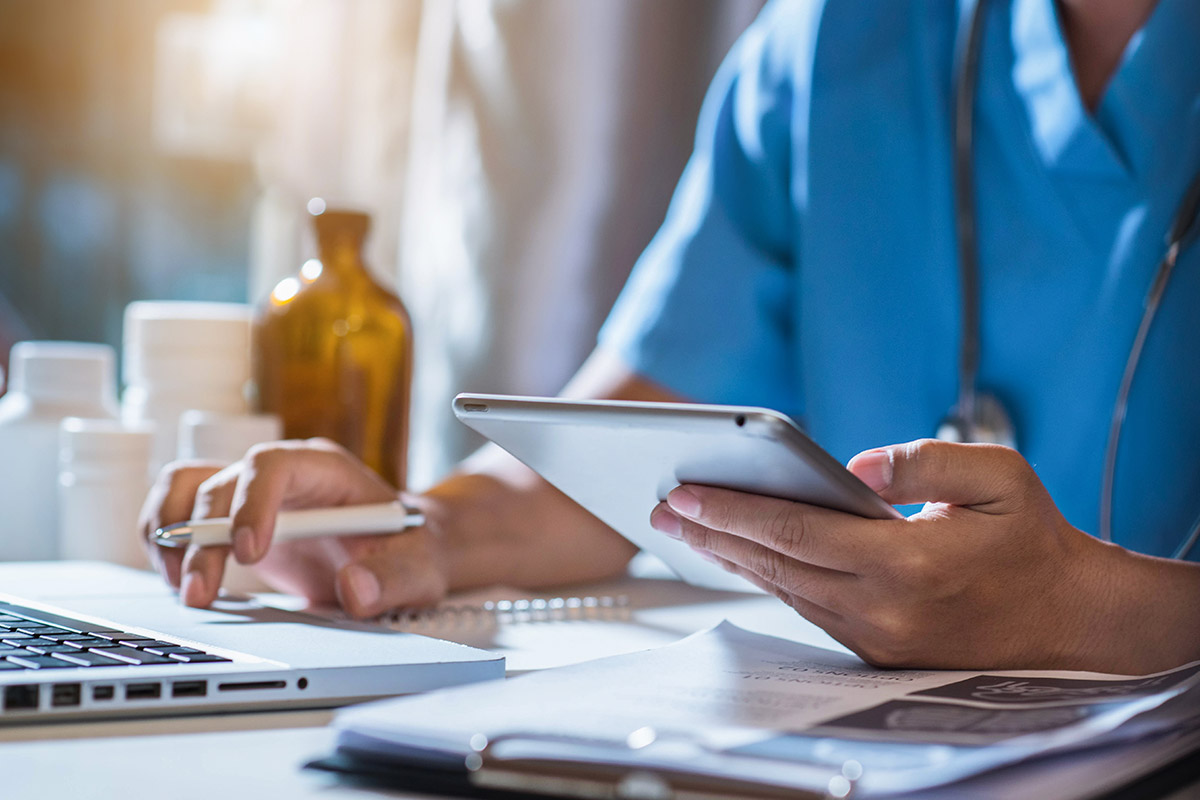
x: 590, y: 608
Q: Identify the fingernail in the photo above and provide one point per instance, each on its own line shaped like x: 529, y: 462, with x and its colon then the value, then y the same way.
x: 363, y: 585
x: 684, y: 502
x: 873, y: 468
x: 666, y: 523
x: 243, y: 545
x: 195, y: 593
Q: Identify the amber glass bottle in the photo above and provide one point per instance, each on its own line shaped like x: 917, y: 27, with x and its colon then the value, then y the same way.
x: 333, y: 351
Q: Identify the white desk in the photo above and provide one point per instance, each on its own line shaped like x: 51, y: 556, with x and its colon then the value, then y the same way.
x: 259, y: 756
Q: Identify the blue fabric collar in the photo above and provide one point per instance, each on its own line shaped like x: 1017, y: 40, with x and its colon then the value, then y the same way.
x: 1155, y: 90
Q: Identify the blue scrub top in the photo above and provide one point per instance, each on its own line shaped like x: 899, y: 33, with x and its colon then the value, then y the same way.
x: 807, y: 262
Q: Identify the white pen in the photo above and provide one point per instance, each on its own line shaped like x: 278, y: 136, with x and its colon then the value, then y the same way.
x: 373, y: 518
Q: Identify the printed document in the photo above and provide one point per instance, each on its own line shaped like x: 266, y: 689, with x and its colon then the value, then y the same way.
x: 736, y: 704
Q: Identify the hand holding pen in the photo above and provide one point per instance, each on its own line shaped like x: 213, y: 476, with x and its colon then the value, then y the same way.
x: 265, y: 507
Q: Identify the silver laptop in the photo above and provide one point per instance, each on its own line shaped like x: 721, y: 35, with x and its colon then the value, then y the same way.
x: 82, y: 639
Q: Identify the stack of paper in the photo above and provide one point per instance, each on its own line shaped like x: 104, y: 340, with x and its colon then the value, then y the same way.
x: 752, y: 714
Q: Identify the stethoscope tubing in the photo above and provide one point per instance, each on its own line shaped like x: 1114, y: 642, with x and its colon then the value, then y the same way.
x: 1184, y: 228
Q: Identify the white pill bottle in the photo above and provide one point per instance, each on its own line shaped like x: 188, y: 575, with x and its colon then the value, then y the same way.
x: 48, y: 381
x: 104, y: 474
x: 181, y: 356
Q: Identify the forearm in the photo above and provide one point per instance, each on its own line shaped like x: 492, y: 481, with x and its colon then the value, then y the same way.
x: 501, y: 523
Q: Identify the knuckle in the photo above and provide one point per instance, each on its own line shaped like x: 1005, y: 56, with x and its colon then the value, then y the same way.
x: 914, y: 566
x: 210, y: 486
x: 913, y: 463
x: 1013, y: 475
x: 1017, y: 467
x: 781, y: 525
x: 926, y: 454
x: 710, y: 540
x: 171, y: 473
x: 891, y: 625
x: 269, y: 457
x: 178, y: 474
x: 262, y: 454
x: 790, y: 529
x: 326, y: 444
x: 769, y: 566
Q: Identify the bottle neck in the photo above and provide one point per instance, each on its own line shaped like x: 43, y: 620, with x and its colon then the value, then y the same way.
x: 342, y: 255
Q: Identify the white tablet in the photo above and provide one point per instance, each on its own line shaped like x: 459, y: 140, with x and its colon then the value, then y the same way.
x: 619, y: 459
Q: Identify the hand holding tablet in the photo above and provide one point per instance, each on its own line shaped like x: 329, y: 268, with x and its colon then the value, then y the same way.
x: 618, y: 460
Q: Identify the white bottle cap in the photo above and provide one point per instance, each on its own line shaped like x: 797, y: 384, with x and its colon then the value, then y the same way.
x: 187, y: 344
x: 105, y: 440
x: 64, y: 372
x: 224, y: 437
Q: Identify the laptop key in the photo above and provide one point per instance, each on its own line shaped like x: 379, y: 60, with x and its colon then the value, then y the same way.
x: 20, y: 651
x: 132, y: 655
x: 89, y: 643
x: 50, y: 648
x: 38, y: 662
x: 166, y: 650
x: 86, y: 659
x: 114, y: 635
x: 199, y: 658
x: 51, y: 629
x: 9, y: 665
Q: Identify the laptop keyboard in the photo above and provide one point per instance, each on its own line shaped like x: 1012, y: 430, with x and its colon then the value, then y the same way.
x: 32, y: 639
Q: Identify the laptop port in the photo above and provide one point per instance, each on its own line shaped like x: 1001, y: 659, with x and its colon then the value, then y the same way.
x: 189, y: 688
x: 251, y: 685
x: 20, y: 697
x: 143, y: 691
x: 103, y: 692
x: 65, y: 694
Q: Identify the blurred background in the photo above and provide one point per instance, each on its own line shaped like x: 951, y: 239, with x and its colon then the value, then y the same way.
x: 515, y: 156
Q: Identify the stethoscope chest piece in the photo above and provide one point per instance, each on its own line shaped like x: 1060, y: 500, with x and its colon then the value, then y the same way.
x: 986, y: 422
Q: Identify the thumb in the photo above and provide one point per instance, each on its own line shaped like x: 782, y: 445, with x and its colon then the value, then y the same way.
x: 395, y: 577
x: 986, y: 477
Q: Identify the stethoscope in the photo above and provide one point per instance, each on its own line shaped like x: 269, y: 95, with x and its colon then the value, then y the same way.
x: 979, y: 416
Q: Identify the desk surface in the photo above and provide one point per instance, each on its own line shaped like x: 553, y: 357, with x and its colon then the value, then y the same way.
x: 259, y: 755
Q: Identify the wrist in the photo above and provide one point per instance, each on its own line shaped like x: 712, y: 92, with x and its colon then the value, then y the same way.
x: 1136, y: 614
x: 498, y: 522
x: 460, y: 515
